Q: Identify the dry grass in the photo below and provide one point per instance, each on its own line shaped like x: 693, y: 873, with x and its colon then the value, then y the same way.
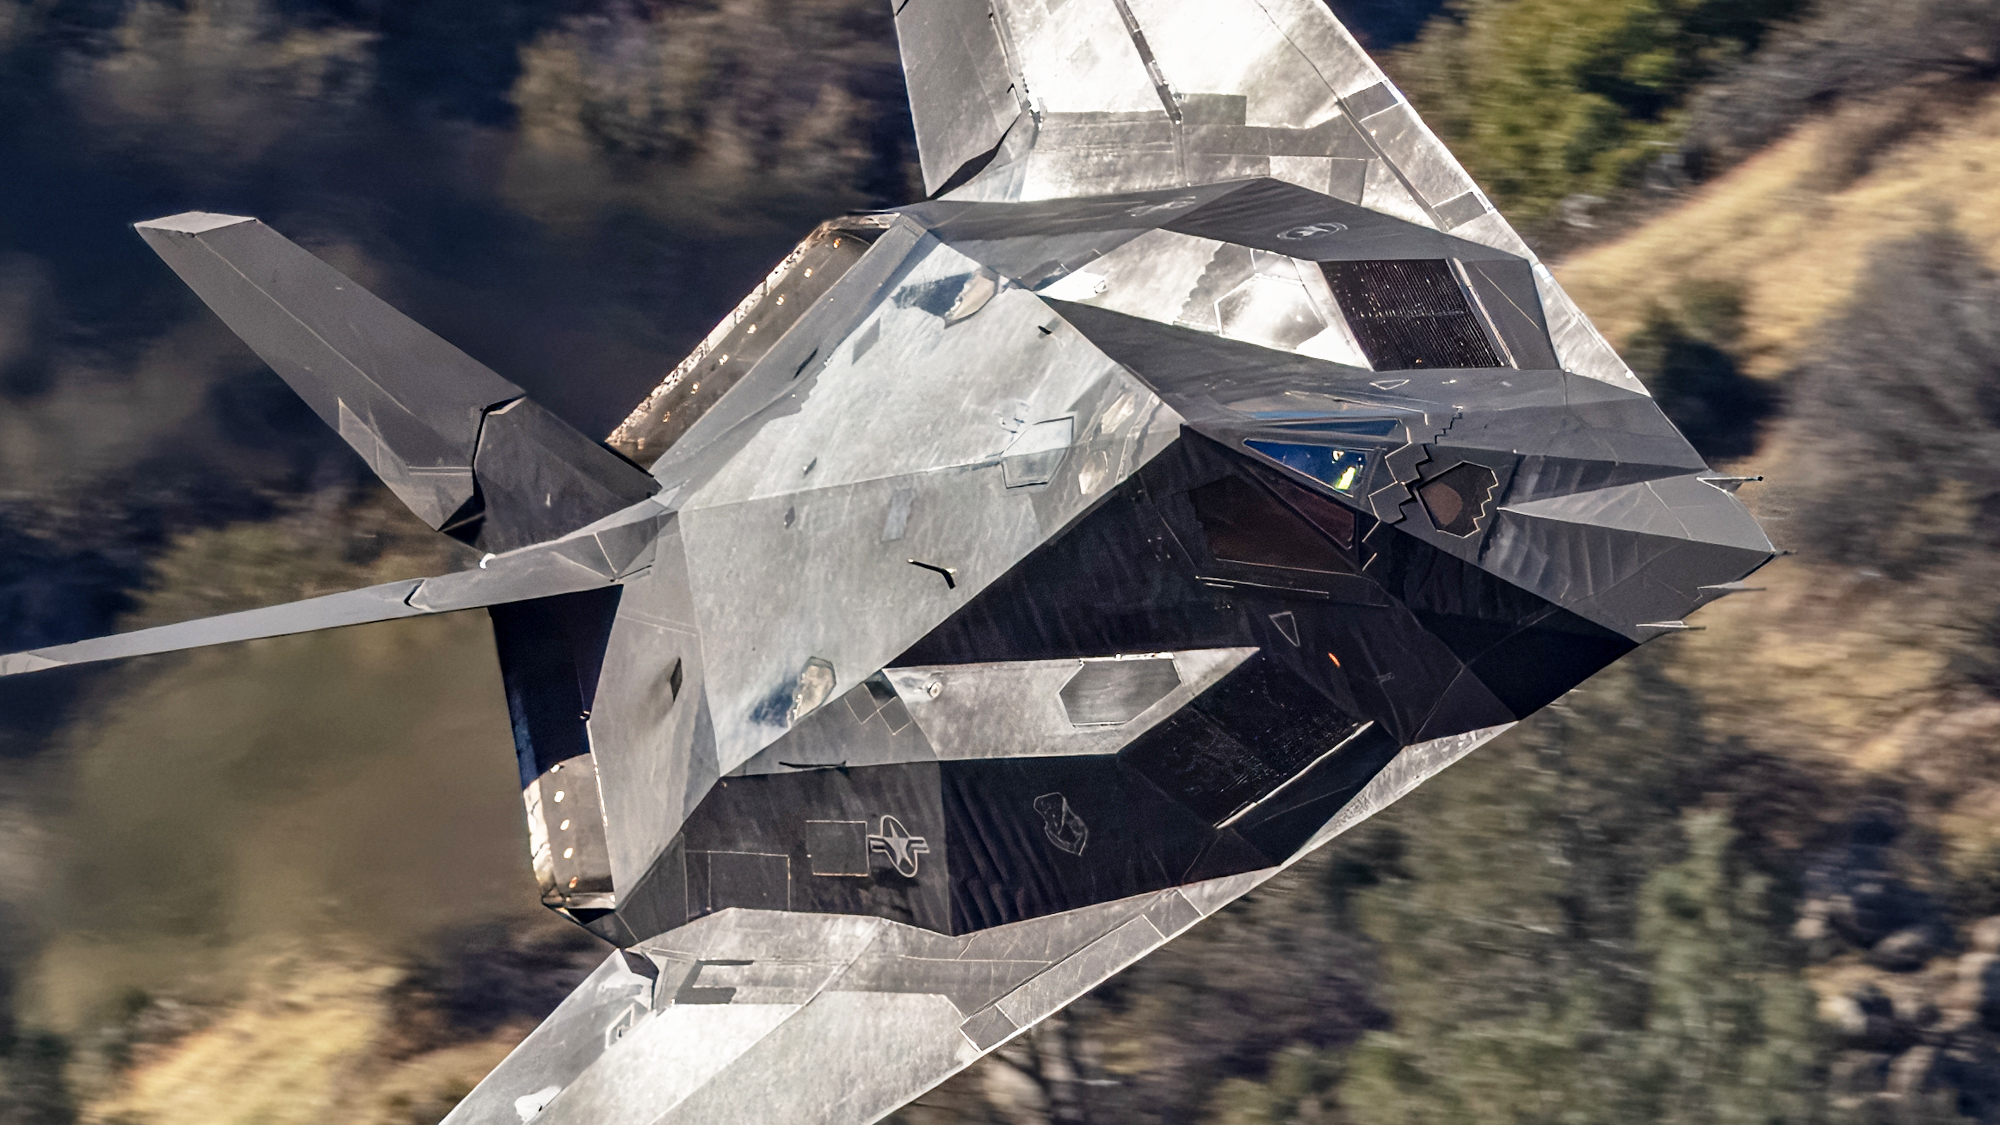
x: 252, y: 831
x: 1839, y: 667
x: 303, y: 1046
x: 276, y: 1057
x: 1797, y: 247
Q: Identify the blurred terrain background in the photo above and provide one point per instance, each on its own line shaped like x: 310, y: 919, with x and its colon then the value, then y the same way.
x: 1750, y: 874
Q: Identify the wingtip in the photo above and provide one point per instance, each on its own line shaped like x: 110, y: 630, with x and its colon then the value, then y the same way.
x: 193, y: 222
x: 16, y: 663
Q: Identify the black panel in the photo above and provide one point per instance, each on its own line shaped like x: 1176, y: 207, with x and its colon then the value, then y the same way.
x: 1286, y: 819
x: 868, y: 840
x: 1506, y: 291
x: 1410, y: 314
x: 1443, y: 590
x: 1120, y: 580
x: 904, y: 860
x: 539, y: 479
x: 551, y: 650
x: 1241, y: 739
x: 1007, y: 839
x: 655, y: 904
x: 607, y: 925
x: 1245, y: 523
x: 1137, y: 575
x: 1534, y: 666
x: 752, y: 880
x: 1467, y: 704
x: 1122, y: 837
x: 837, y: 848
x: 1524, y: 649
x: 1538, y: 477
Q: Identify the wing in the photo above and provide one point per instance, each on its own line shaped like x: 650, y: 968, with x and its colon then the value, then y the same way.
x: 1026, y: 99
x: 602, y: 555
x: 1021, y: 100
x: 466, y: 450
x: 756, y: 1016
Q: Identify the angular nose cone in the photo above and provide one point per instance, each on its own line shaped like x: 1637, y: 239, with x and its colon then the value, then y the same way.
x: 1576, y: 490
x: 1632, y: 557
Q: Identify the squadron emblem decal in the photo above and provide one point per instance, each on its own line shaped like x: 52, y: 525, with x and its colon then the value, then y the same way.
x: 1060, y: 824
x: 903, y: 849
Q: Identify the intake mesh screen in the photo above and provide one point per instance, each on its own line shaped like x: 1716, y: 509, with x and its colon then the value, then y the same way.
x: 1408, y: 314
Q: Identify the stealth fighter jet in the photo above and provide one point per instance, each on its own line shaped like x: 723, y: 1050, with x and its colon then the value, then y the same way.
x: 1015, y: 578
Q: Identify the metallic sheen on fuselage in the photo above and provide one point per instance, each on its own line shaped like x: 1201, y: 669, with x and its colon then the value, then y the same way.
x: 1015, y: 578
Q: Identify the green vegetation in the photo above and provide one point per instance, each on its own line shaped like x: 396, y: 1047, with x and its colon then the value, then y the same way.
x: 1545, y: 99
x: 1573, y: 930
x: 1909, y: 64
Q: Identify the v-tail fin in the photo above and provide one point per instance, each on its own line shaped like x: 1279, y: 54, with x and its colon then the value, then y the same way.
x: 465, y: 449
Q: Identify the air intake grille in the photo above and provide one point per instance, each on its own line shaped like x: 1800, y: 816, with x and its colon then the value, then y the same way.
x: 1409, y: 314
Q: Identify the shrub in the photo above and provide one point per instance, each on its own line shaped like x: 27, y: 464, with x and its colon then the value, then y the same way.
x: 1687, y: 357
x: 1543, y: 99
x: 1847, y: 50
x: 1895, y: 424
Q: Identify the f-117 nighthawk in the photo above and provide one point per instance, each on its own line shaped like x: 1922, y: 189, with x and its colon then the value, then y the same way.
x: 1014, y: 578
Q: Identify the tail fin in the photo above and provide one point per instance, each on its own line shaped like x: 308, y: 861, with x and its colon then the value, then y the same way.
x: 462, y: 447
x: 963, y: 95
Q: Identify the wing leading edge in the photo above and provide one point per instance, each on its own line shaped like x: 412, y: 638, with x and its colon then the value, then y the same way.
x: 604, y: 554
